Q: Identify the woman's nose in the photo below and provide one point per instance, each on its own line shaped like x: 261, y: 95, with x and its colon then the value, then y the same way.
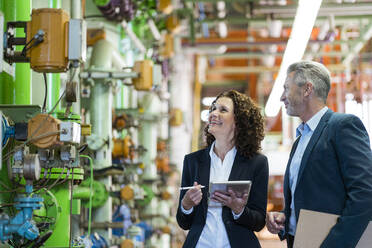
x: 213, y: 113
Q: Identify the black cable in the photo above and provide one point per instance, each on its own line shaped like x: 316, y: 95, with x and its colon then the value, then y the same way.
x: 23, y: 53
x: 46, y: 92
x: 82, y: 148
x: 38, y: 38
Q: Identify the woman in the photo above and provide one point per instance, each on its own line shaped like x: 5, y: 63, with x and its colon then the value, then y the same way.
x: 234, y: 134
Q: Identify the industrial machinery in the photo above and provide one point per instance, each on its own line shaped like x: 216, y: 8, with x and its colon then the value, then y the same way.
x: 79, y: 162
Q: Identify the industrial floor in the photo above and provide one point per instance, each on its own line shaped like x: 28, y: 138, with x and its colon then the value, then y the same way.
x: 274, y: 243
x: 268, y: 240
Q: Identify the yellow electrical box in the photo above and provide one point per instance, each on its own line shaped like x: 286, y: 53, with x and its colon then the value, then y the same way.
x: 165, y: 6
x: 167, y: 50
x: 51, y: 55
x: 86, y: 129
x: 144, y: 80
x: 43, y: 131
x: 176, y: 117
x: 173, y: 24
x: 123, y: 148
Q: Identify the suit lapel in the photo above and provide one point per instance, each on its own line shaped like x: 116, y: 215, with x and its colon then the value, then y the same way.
x: 236, y: 168
x: 313, y: 140
x: 204, y: 167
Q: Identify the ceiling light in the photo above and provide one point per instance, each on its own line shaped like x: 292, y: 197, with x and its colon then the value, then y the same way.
x: 207, y: 101
x: 301, y: 30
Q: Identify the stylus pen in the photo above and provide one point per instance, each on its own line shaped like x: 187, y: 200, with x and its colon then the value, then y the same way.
x: 191, y: 187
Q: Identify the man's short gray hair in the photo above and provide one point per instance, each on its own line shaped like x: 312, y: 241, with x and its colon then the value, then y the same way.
x: 313, y: 72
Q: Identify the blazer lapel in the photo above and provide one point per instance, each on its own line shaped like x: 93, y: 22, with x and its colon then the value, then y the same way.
x: 313, y: 140
x: 236, y: 168
x: 204, y: 167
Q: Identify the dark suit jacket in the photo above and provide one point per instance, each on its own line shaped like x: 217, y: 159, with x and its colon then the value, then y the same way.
x: 196, y: 167
x: 335, y: 176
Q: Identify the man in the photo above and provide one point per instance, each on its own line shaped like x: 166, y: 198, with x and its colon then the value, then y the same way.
x: 330, y: 165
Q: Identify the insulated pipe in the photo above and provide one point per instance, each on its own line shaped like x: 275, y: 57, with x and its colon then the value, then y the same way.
x: 101, y: 117
x: 74, y: 73
x: 148, y: 134
x: 76, y: 13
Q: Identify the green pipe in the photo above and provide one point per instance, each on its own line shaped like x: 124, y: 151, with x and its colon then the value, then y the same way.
x: 53, y: 79
x: 61, y: 232
x: 54, y: 84
x: 55, y: 4
x: 23, y: 84
x: 91, y: 191
x: 16, y: 90
x: 82, y: 193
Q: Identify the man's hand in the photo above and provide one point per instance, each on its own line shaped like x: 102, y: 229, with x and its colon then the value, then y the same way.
x: 231, y: 200
x: 192, y: 197
x: 275, y: 222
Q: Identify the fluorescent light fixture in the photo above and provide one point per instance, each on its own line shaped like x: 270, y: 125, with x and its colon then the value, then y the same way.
x: 301, y: 31
x: 204, y: 115
x: 207, y: 101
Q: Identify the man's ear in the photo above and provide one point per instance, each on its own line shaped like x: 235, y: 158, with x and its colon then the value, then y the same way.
x: 309, y: 88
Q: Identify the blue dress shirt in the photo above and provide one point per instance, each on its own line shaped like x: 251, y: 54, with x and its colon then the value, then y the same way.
x: 304, y: 131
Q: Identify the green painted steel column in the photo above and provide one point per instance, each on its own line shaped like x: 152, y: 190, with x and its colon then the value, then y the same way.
x: 54, y: 79
x: 23, y: 84
x: 61, y: 232
x: 16, y: 90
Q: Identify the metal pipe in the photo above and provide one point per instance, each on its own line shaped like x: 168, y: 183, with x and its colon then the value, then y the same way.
x: 101, y: 117
x: 287, y: 21
x: 262, y: 42
x: 81, y: 193
x: 257, y: 55
x: 76, y: 13
x: 325, y: 10
x: 108, y: 75
x: 23, y: 72
x: 365, y: 35
x: 75, y: 9
x: 260, y: 69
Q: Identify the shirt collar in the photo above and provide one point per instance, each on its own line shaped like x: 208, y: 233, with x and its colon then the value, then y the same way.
x: 311, y: 124
x: 213, y: 154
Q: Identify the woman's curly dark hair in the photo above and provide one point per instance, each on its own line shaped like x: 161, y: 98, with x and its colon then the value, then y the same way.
x: 249, y: 124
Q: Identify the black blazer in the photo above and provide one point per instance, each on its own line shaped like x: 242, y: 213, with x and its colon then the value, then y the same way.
x: 196, y: 167
x: 335, y: 176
